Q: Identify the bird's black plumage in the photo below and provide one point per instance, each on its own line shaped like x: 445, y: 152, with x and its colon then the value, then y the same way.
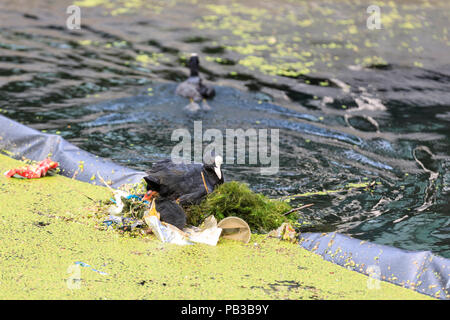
x: 170, y: 212
x: 182, y: 181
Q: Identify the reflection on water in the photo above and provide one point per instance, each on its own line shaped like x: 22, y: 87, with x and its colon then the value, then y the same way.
x: 364, y: 117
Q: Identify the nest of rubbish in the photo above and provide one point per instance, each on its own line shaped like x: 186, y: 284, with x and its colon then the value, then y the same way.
x: 231, y: 199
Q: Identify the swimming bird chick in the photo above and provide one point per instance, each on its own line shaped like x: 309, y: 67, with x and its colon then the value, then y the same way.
x: 194, y: 89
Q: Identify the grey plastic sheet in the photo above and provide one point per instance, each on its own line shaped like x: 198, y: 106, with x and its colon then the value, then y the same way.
x: 23, y: 141
x: 421, y: 271
x: 417, y: 270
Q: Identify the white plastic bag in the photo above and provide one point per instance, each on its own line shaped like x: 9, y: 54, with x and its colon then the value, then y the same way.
x: 208, y: 233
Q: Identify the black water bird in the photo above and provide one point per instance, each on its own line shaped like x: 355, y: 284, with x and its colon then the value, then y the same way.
x: 170, y: 212
x: 194, y: 88
x: 185, y: 183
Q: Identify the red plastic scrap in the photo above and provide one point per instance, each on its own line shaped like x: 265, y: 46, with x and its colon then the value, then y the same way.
x: 34, y: 171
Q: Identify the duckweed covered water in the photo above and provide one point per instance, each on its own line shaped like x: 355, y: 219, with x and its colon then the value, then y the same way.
x: 354, y: 106
x: 48, y: 232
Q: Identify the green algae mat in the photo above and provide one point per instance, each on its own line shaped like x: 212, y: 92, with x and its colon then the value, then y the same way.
x: 51, y: 247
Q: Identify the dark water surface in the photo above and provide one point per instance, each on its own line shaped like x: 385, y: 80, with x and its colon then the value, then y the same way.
x: 354, y: 106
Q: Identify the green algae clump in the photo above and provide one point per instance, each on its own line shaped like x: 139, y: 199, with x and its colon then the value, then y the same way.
x: 236, y: 199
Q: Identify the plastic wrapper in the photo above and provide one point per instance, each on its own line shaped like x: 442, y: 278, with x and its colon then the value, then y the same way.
x: 82, y: 264
x: 118, y: 208
x: 207, y: 233
x: 284, y: 232
x: 166, y: 232
x: 123, y: 223
x: 33, y: 171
